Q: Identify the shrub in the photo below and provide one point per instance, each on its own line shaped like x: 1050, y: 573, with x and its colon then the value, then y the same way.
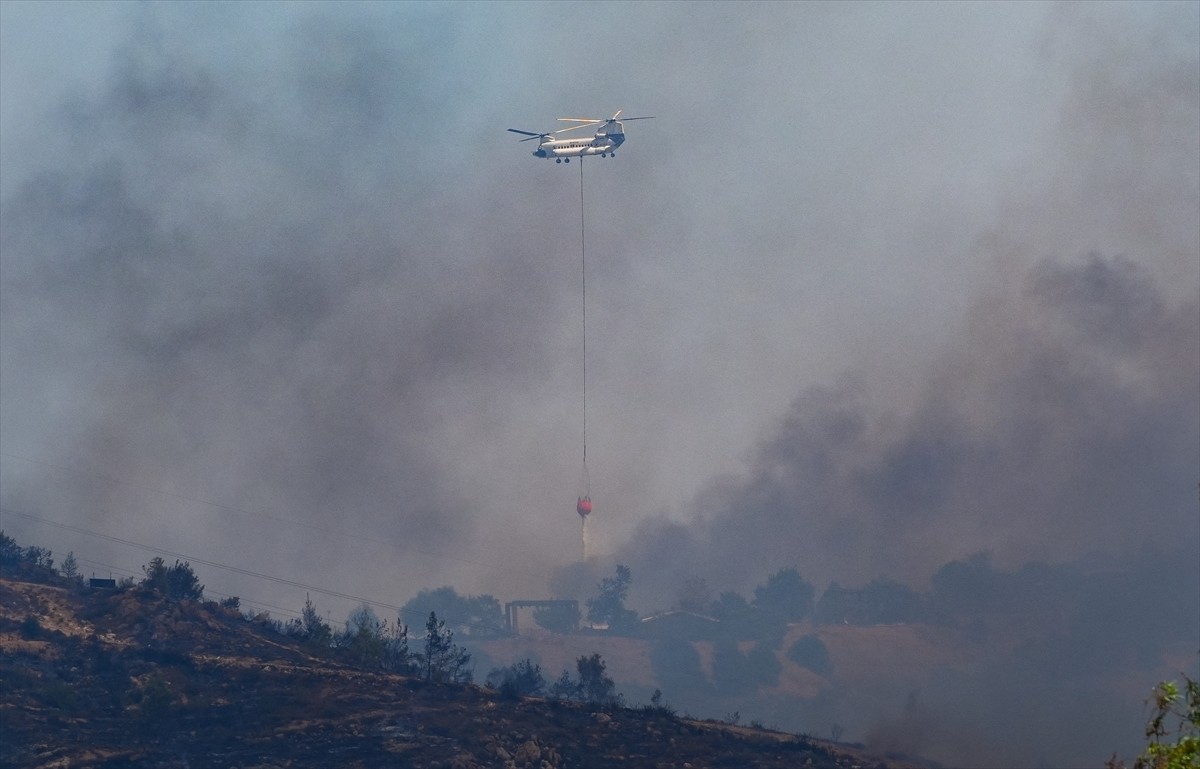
x: 595, y: 685
x: 810, y: 652
x: 735, y: 673
x: 524, y: 679
x: 1173, y: 731
x: 176, y: 582
x: 677, y: 666
x: 30, y: 627
x: 60, y: 695
x: 156, y: 697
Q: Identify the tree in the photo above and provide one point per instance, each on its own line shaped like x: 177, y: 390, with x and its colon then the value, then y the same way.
x: 70, y: 567
x: 362, y: 619
x: 839, y: 605
x: 733, y: 610
x: 730, y: 674
x: 478, y: 616
x: 887, y: 601
x: 965, y: 587
x: 608, y: 606
x: 564, y: 688
x: 10, y: 551
x: 595, y: 685
x: 366, y: 641
x: 785, y: 597
x: 695, y: 596
x: 444, y: 660
x: 314, y: 631
x: 737, y: 673
x: 396, y: 655
x: 176, y: 582
x: 763, y: 665
x: 39, y: 556
x: 361, y: 642
x: 676, y: 665
x: 559, y: 619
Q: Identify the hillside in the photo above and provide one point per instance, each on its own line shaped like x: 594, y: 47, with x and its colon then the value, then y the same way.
x: 127, y: 678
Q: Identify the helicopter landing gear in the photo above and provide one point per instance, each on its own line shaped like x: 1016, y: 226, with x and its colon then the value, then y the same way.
x: 558, y: 160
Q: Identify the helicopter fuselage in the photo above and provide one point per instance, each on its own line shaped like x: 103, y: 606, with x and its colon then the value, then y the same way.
x: 609, y: 134
x: 600, y: 144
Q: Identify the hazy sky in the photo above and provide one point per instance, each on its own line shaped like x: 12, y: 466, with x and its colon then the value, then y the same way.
x: 881, y: 285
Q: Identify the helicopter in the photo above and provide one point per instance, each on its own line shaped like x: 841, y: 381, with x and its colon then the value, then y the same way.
x: 609, y: 135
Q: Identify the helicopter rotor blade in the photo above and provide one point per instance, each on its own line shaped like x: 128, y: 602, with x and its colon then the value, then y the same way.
x: 572, y: 128
x: 582, y: 119
x: 529, y: 134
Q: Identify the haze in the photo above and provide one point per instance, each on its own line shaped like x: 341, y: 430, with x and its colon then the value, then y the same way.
x: 881, y: 286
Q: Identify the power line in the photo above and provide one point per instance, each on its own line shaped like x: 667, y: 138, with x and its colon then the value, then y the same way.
x: 195, y: 559
x: 241, y: 599
x: 279, y: 519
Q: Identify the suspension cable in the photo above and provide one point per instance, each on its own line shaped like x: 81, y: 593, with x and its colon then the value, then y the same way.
x: 583, y: 268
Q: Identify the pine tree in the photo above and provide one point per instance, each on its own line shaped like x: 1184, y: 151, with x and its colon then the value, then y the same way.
x: 70, y: 567
x: 444, y: 660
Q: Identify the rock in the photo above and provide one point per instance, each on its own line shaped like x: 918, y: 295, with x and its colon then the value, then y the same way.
x: 528, y: 753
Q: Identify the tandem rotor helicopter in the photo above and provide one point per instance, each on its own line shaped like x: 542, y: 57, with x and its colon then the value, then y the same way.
x: 609, y: 136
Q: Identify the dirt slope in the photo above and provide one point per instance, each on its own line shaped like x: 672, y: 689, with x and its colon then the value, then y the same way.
x: 107, y: 679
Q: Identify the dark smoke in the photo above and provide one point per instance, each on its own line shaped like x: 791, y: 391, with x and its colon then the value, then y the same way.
x: 1061, y: 425
x: 238, y: 288
x: 288, y: 286
x: 1067, y: 422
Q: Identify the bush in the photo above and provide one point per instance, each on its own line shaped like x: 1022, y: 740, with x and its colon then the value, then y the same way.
x: 595, y: 685
x: 30, y: 627
x: 60, y: 695
x: 156, y: 698
x: 176, y: 582
x: 477, y: 616
x: 676, y: 665
x: 1173, y: 731
x: 735, y: 673
x: 524, y: 679
x: 564, y: 688
x: 810, y: 652
x: 657, y: 706
x: 557, y: 619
